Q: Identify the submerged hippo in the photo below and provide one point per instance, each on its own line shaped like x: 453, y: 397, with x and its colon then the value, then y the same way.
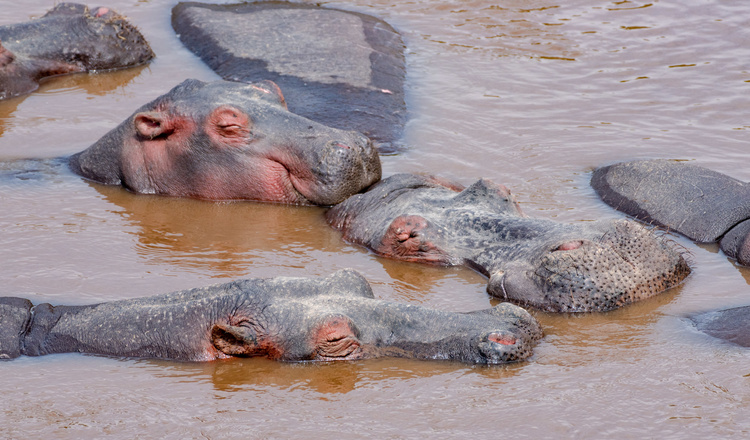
x: 548, y: 265
x: 69, y: 38
x: 340, y: 68
x: 224, y: 140
x: 288, y: 319
x: 701, y: 204
x: 732, y: 325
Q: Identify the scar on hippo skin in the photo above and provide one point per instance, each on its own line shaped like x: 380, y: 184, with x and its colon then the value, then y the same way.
x: 704, y: 205
x: 580, y: 267
x: 230, y: 141
x: 287, y: 319
x: 340, y: 68
x: 69, y: 38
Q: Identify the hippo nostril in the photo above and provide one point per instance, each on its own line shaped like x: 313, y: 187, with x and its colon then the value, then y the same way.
x: 501, y: 339
x: 569, y: 246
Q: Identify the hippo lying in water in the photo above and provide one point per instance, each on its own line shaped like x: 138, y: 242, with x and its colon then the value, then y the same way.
x: 701, y: 204
x: 70, y: 38
x: 548, y: 265
x: 289, y: 319
x: 340, y: 68
x: 732, y: 325
x: 225, y: 140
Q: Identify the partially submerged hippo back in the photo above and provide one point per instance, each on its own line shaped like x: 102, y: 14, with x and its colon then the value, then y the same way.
x: 553, y: 266
x: 69, y: 38
x: 731, y: 325
x: 289, y: 319
x: 224, y: 140
x: 339, y: 68
x: 704, y: 205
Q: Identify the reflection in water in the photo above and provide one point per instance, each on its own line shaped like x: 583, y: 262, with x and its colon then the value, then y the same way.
x: 225, y: 238
x: 260, y: 374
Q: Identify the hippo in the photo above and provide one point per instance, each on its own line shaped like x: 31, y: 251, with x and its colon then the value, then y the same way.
x: 555, y: 267
x: 69, y: 38
x: 287, y: 319
x: 701, y: 204
x: 340, y: 68
x: 731, y: 325
x: 230, y: 141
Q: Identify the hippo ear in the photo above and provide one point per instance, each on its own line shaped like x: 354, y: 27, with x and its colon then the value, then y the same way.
x: 234, y: 340
x: 405, y: 239
x: 270, y: 92
x: 153, y: 124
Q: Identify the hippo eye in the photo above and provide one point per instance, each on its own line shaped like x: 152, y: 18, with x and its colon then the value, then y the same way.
x: 338, y: 348
x: 336, y: 338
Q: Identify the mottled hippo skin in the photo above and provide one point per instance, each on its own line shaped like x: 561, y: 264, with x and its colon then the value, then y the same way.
x: 225, y: 140
x: 339, y: 68
x: 544, y: 264
x: 288, y: 319
x: 70, y: 38
x: 701, y: 204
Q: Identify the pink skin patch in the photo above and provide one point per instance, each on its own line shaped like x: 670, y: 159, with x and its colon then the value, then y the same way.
x: 501, y: 339
x: 335, y: 339
x: 569, y: 246
x: 101, y: 12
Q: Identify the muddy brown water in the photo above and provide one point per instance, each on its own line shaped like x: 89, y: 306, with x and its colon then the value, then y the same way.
x: 533, y: 94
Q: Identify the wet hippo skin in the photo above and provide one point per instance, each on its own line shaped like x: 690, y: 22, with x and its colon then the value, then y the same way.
x: 581, y: 267
x: 732, y: 325
x: 230, y: 141
x: 339, y: 68
x: 70, y: 38
x: 288, y: 319
x: 704, y: 205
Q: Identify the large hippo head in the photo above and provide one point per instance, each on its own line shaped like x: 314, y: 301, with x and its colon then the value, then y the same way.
x: 224, y: 140
x: 69, y: 38
x: 581, y: 267
x: 289, y: 319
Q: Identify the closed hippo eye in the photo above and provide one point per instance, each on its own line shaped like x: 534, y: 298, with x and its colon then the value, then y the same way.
x: 336, y: 338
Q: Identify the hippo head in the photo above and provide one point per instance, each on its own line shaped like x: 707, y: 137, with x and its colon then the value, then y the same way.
x: 337, y: 318
x: 69, y: 38
x: 226, y: 140
x: 553, y: 266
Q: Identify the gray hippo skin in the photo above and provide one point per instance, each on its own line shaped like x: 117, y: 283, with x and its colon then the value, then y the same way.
x: 70, y: 38
x: 288, y: 319
x: 340, y: 68
x: 552, y: 266
x: 732, y: 325
x: 701, y: 204
x: 224, y: 140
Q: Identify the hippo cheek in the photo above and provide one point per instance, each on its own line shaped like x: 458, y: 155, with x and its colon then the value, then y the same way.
x: 336, y: 338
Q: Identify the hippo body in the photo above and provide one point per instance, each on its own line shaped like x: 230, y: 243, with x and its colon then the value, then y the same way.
x: 69, y: 38
x: 731, y: 325
x: 225, y: 140
x: 288, y: 319
x: 704, y: 205
x: 544, y: 264
x: 340, y: 68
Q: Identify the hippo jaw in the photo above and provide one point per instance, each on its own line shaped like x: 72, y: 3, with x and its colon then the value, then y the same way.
x: 626, y: 263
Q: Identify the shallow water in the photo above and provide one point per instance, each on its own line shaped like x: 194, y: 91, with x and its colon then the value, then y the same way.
x: 533, y: 94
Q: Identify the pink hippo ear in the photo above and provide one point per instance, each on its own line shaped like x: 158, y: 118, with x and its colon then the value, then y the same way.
x: 405, y: 239
x: 235, y: 340
x: 6, y: 56
x: 153, y: 124
x: 269, y: 91
x: 228, y: 125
